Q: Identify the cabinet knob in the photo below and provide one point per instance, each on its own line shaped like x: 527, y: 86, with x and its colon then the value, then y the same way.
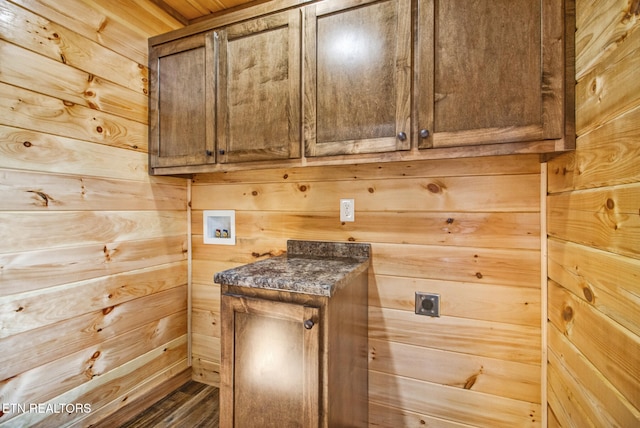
x: 208, y: 152
x: 424, y: 133
x: 402, y: 136
x: 308, y: 324
x: 221, y: 151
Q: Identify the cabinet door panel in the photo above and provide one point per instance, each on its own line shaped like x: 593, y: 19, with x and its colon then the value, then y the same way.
x: 272, y: 363
x: 492, y: 80
x: 357, y: 69
x: 182, y: 93
x: 259, y: 91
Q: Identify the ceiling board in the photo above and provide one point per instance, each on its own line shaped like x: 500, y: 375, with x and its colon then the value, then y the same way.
x: 189, y: 11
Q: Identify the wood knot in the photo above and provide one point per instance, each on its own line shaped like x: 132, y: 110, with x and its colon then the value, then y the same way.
x: 371, y: 189
x: 567, y: 313
x: 302, y: 188
x: 43, y: 196
x: 434, y: 188
x: 471, y: 381
x: 95, y: 355
x: 99, y: 129
x: 285, y: 176
x: 449, y: 220
x: 610, y: 204
x: 478, y: 275
x: 27, y: 144
x: 108, y: 310
x: 351, y: 239
x: 588, y: 294
x: 68, y: 103
x: 20, y: 309
x: 634, y: 10
x: 258, y: 255
x: 254, y: 193
x: 107, y: 254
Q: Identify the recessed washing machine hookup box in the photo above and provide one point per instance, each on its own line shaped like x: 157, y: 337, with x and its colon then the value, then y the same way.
x: 219, y: 227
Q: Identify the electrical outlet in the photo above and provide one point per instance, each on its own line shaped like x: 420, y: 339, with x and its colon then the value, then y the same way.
x: 427, y: 304
x: 347, y: 210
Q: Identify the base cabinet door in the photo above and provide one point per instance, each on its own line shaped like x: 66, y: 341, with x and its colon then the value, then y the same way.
x: 271, y: 354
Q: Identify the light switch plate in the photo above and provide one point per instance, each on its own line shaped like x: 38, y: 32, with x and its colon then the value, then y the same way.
x: 347, y: 210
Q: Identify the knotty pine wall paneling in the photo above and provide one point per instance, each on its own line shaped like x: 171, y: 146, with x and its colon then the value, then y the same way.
x: 593, y: 220
x: 93, y: 252
x: 467, y: 229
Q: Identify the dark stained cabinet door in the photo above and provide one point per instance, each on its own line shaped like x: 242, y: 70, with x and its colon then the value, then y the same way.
x: 357, y: 77
x: 271, y: 354
x: 259, y: 89
x: 182, y: 102
x: 489, y: 71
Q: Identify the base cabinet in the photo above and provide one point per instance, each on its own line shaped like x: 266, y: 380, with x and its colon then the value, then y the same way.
x: 292, y: 359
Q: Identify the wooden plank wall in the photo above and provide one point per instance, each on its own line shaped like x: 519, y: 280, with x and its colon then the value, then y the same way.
x: 467, y: 229
x: 93, y: 270
x: 594, y: 230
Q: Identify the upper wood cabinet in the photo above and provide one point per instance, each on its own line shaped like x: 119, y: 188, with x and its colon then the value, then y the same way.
x: 259, y: 89
x: 357, y: 58
x: 351, y: 81
x: 182, y: 102
x: 489, y: 72
x: 226, y: 96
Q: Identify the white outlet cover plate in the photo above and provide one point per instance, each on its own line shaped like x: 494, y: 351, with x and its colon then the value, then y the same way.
x: 347, y: 210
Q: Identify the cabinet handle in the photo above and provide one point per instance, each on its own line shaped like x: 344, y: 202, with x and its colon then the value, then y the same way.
x: 221, y: 151
x: 402, y: 136
x: 424, y: 133
x: 208, y: 152
x: 308, y: 324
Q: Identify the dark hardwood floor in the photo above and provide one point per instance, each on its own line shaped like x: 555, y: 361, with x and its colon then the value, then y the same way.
x: 192, y: 405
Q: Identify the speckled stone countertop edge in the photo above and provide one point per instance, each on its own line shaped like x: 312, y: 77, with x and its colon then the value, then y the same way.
x: 328, y: 249
x: 307, y: 269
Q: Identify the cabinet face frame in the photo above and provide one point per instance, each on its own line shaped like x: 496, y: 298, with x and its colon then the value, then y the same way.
x: 231, y: 305
x: 206, y: 153
x: 285, y: 146
x: 551, y: 79
x: 401, y: 82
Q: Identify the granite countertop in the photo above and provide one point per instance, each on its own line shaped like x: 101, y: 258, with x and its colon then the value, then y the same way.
x: 310, y: 267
